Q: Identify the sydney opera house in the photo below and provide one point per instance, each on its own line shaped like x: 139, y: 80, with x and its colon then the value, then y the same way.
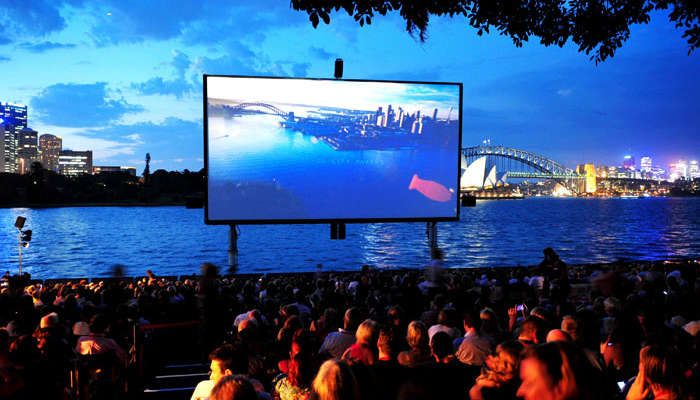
x: 476, y: 178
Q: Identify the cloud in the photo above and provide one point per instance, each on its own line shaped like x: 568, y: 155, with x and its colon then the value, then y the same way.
x: 179, y: 87
x: 86, y: 105
x: 564, y: 92
x: 320, y: 53
x: 41, y: 47
x: 135, y: 137
x: 36, y: 18
x: 158, y: 85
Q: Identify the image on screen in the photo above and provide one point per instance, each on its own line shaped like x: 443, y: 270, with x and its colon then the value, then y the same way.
x: 313, y: 150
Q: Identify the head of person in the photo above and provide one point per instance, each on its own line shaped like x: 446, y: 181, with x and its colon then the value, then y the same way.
x: 334, y: 381
x: 489, y: 322
x: 532, y: 330
x: 471, y: 321
x: 395, y: 315
x: 558, y: 335
x: 226, y: 360
x: 367, y: 333
x: 352, y: 319
x: 662, y: 368
x: 554, y: 371
x: 417, y: 335
x: 447, y: 316
x: 504, y: 362
x: 571, y: 325
x: 441, y: 346
x: 233, y: 387
x: 98, y: 324
x: 386, y: 343
x: 550, y: 254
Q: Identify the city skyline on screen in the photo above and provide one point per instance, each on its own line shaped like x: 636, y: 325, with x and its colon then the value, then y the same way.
x: 125, y: 79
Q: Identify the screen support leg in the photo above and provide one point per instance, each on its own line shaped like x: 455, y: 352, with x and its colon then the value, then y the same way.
x: 233, y: 246
x: 431, y: 232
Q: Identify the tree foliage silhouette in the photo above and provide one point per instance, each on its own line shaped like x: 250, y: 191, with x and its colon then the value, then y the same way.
x: 597, y: 27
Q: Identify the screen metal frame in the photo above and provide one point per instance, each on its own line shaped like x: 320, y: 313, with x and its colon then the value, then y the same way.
x: 209, y: 221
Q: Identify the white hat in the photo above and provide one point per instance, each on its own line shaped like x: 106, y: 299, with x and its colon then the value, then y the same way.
x: 692, y: 327
x: 81, y: 328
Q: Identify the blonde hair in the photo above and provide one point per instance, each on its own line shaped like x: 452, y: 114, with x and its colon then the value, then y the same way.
x: 367, y: 333
x: 417, y: 335
x: 335, y: 381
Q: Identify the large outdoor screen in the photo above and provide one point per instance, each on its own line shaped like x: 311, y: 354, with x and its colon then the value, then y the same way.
x: 286, y: 150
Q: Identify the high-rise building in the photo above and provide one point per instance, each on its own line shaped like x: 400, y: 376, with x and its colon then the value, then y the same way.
x: 678, y: 170
x: 27, y: 151
x: 75, y: 162
x: 645, y: 164
x: 13, y: 114
x: 50, y: 147
x: 628, y: 162
x: 8, y: 148
x: 693, y: 170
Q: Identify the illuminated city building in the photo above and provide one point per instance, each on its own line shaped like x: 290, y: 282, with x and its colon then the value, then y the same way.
x: 645, y: 164
x: 678, y: 170
x: 75, y: 162
x: 27, y: 151
x: 628, y: 162
x: 589, y: 170
x: 8, y: 148
x: 693, y: 171
x: 113, y: 169
x: 658, y: 173
x: 50, y: 147
x: 14, y: 114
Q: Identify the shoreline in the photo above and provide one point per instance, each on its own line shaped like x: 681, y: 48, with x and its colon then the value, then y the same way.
x: 184, y: 203
x: 248, y: 275
x: 74, y: 205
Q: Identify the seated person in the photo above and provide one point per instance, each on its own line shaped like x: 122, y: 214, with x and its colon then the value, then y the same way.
x: 96, y: 342
x: 224, y: 361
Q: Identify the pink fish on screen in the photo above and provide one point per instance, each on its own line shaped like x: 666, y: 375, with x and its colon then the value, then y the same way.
x: 430, y: 189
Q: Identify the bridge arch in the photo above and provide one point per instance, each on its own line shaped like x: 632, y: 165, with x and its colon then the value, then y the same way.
x: 275, y: 110
x: 540, y: 163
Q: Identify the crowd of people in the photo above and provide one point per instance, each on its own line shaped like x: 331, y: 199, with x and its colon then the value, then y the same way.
x: 552, y: 331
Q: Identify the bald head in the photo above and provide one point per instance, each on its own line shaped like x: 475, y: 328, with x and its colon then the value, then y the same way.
x: 556, y: 335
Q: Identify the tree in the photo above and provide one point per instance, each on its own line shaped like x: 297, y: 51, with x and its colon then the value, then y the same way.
x: 597, y: 27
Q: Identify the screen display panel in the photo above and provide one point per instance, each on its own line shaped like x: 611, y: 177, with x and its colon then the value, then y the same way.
x: 288, y: 150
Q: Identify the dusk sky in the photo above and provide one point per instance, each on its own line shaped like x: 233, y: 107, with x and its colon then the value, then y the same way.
x: 124, y: 77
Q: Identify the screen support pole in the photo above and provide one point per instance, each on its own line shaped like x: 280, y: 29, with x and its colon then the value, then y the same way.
x: 233, y: 246
x: 431, y: 232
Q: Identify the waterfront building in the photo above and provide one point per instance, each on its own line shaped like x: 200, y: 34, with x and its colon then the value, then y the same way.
x: 50, y: 147
x: 75, y: 162
x: 645, y: 164
x: 27, y: 151
x: 602, y: 171
x: 693, y: 171
x: 628, y: 162
x: 590, y: 172
x: 8, y: 148
x: 658, y: 173
x: 97, y: 169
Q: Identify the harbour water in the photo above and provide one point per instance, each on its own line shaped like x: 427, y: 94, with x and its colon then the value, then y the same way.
x: 88, y: 241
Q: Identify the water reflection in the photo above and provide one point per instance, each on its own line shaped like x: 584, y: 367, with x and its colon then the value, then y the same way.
x: 73, y: 242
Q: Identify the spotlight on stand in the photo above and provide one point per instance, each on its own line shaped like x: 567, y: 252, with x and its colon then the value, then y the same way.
x: 19, y: 223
